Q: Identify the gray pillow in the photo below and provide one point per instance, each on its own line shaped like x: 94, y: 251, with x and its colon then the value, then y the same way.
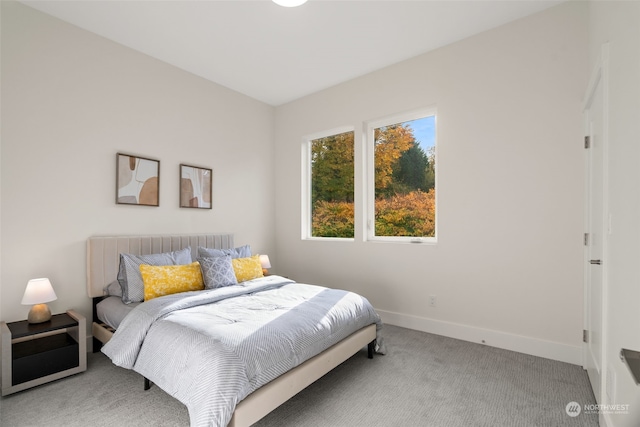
x: 129, y: 275
x: 113, y: 289
x: 239, y: 252
x: 217, y: 271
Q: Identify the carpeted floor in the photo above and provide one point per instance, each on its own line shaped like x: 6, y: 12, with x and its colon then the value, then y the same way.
x: 424, y: 380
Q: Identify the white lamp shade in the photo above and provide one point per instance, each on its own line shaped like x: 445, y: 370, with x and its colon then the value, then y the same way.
x: 38, y: 291
x: 264, y: 261
x: 289, y: 3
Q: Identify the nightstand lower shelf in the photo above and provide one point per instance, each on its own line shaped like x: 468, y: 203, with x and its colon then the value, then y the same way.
x: 36, y: 354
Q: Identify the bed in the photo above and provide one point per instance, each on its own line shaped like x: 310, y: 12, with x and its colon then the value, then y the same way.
x: 146, y: 337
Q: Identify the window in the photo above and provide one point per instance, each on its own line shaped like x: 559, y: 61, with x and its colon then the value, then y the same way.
x: 401, y: 179
x: 396, y: 197
x: 330, y: 201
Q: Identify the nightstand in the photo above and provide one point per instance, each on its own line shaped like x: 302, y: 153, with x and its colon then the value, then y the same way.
x: 35, y: 354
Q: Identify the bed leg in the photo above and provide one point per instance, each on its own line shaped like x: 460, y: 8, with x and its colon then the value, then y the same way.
x: 147, y: 384
x: 97, y: 345
x: 370, y: 349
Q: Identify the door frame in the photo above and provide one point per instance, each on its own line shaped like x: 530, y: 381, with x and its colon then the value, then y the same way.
x: 600, y: 75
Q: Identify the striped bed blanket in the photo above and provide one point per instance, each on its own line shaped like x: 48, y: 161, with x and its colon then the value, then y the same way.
x: 210, y: 349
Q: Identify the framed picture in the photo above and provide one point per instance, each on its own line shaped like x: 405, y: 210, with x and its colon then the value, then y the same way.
x: 195, y: 187
x: 137, y: 180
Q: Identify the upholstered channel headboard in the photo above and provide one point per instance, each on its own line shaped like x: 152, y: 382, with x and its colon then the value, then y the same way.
x: 103, y: 252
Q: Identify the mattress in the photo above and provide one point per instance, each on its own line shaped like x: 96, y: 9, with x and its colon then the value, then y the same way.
x: 112, y: 310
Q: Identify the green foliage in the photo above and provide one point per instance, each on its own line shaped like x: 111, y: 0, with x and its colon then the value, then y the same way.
x: 332, y: 174
x: 411, y: 169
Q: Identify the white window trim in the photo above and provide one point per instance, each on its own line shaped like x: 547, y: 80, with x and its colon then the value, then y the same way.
x: 369, y: 194
x: 306, y: 183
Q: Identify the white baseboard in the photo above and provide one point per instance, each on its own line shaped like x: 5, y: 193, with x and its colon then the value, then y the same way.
x: 519, y: 343
x: 522, y: 344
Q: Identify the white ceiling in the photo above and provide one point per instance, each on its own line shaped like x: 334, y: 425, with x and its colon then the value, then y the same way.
x: 276, y: 54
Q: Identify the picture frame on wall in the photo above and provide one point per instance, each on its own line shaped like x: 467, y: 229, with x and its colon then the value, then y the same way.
x: 195, y: 187
x: 137, y: 180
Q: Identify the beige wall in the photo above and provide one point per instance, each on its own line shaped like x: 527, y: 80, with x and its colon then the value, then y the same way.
x: 507, y: 267
x: 70, y: 101
x: 618, y: 25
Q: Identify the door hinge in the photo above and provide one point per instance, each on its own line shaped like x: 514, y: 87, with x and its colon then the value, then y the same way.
x: 585, y: 336
x: 586, y: 239
x: 587, y: 142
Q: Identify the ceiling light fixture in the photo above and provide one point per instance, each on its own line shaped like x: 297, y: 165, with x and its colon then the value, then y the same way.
x: 289, y: 3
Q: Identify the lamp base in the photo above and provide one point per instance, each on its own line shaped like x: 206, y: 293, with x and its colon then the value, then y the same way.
x: 39, y: 313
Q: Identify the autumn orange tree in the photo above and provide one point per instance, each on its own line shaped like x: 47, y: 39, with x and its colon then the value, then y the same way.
x: 390, y: 144
x: 332, y: 182
x: 333, y: 219
x: 409, y: 215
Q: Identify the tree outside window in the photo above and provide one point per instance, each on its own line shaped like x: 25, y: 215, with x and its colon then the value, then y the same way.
x: 405, y: 178
x: 332, y: 186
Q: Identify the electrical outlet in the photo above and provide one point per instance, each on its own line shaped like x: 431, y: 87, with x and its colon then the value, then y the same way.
x: 432, y: 300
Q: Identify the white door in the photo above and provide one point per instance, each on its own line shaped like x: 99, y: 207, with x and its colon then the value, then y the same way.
x: 596, y: 234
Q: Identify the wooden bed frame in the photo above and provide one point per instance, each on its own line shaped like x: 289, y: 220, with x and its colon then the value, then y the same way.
x: 103, y: 257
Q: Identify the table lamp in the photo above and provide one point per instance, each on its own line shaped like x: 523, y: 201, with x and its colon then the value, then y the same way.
x: 38, y: 293
x: 265, y: 263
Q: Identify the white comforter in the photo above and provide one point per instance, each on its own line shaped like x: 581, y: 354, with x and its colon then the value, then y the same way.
x: 210, y: 349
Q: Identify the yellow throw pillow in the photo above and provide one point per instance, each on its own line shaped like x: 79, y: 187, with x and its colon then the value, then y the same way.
x: 247, y: 268
x: 170, y: 279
